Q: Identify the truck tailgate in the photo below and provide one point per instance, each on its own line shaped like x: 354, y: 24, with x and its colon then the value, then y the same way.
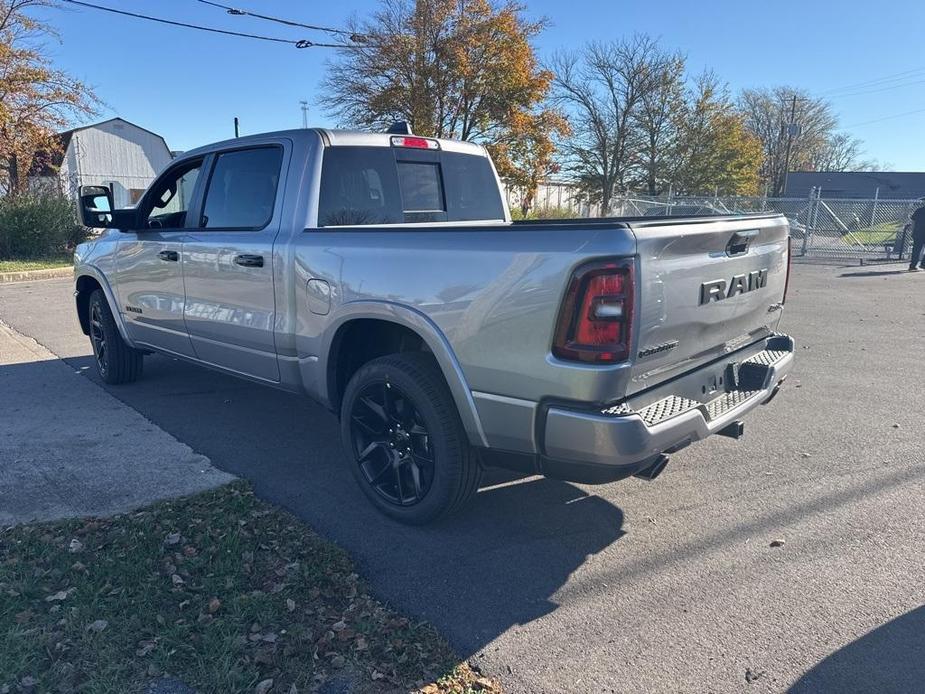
x: 707, y: 286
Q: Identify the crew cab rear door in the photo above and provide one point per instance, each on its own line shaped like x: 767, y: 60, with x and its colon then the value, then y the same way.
x: 707, y: 286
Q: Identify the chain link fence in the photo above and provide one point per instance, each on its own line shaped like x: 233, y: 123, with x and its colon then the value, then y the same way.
x: 838, y: 228
x: 835, y: 228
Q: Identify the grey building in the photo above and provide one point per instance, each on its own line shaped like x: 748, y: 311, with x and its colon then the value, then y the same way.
x: 886, y: 185
x: 115, y: 153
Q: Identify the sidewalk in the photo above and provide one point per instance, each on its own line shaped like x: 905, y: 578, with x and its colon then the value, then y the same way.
x: 68, y: 448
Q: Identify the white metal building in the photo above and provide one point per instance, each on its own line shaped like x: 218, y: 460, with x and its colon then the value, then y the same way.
x: 115, y: 153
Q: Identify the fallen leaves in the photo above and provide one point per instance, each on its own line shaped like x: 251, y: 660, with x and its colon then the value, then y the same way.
x: 189, y: 572
x: 60, y: 595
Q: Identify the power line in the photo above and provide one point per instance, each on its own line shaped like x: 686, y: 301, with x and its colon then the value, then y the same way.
x: 287, y: 22
x: 878, y: 120
x: 895, y: 77
x: 303, y: 43
x: 876, y: 90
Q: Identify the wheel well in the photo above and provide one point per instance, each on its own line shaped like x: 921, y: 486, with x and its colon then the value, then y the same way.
x: 86, y: 285
x: 360, y: 341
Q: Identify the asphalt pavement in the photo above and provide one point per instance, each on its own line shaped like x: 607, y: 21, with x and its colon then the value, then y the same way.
x: 671, y: 585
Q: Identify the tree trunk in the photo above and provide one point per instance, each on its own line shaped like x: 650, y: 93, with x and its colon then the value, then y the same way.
x: 13, y: 174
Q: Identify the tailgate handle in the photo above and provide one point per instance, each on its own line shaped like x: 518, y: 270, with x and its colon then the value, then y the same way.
x: 738, y: 244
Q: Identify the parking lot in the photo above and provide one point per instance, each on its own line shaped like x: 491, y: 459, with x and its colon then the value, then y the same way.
x: 657, y: 586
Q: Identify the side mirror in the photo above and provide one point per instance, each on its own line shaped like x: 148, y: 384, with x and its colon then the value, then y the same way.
x: 96, y: 206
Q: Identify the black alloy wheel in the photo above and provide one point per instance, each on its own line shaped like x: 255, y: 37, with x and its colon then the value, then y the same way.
x: 405, y: 443
x: 391, y: 444
x: 98, y: 339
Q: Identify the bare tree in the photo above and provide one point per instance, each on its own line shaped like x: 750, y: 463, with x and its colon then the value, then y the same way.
x: 600, y: 89
x: 767, y: 114
x: 659, y: 119
x: 841, y: 152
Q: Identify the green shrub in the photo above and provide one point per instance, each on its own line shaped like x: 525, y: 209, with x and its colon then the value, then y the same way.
x: 38, y: 226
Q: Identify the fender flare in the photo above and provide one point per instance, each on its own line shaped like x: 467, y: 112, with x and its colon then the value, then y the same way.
x: 95, y: 273
x: 435, y: 340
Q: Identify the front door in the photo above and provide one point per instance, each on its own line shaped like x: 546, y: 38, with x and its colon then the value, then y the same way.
x: 149, y: 262
x: 230, y: 305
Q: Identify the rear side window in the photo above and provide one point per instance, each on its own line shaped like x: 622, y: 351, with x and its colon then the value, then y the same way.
x: 381, y: 185
x: 474, y: 188
x: 359, y: 186
x: 242, y: 189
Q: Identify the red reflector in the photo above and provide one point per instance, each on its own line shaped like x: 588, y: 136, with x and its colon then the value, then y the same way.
x: 415, y: 142
x: 595, y: 320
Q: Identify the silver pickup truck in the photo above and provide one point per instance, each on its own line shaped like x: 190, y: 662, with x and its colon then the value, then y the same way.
x: 381, y: 275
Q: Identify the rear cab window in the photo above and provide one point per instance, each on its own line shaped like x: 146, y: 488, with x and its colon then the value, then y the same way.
x: 393, y: 185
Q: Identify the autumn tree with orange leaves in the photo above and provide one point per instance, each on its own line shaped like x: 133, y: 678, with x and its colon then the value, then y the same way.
x: 462, y: 69
x: 36, y: 100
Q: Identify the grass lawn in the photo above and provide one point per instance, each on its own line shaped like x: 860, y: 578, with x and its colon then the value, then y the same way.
x: 37, y: 264
x: 875, y: 235
x: 220, y: 590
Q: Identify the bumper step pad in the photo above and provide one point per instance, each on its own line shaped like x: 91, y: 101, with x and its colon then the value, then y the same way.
x: 751, y: 372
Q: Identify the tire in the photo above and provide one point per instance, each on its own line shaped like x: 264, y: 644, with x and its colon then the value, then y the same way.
x: 116, y: 362
x: 404, y: 441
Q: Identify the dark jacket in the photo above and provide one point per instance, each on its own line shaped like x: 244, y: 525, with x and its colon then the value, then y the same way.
x: 918, y: 222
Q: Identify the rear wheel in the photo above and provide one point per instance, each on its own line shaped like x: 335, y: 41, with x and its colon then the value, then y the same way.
x: 116, y: 362
x: 405, y: 443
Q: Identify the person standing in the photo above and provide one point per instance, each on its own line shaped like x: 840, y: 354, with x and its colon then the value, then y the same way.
x: 918, y: 240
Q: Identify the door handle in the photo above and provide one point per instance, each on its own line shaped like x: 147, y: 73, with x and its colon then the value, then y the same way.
x: 246, y: 260
x: 171, y: 256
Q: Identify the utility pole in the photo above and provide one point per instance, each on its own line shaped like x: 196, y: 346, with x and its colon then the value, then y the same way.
x: 236, y: 126
x: 304, y: 113
x: 793, y: 130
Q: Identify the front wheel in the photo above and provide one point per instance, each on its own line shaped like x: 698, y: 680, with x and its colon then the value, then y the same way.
x: 116, y: 362
x: 404, y: 441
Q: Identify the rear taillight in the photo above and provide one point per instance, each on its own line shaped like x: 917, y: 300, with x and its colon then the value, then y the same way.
x: 789, y: 264
x: 596, y: 318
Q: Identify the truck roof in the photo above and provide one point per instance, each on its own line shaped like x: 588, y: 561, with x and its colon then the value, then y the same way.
x: 338, y: 138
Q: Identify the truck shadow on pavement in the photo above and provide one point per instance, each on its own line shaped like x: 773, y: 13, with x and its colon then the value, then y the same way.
x: 473, y: 576
x: 875, y: 273
x: 891, y: 658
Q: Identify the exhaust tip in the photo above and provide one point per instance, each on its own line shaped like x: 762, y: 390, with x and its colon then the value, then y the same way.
x: 654, y: 470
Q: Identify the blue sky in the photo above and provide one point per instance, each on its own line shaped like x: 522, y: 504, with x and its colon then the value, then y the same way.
x: 188, y: 85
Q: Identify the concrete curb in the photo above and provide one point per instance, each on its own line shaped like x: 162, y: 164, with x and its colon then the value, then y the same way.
x: 28, y: 275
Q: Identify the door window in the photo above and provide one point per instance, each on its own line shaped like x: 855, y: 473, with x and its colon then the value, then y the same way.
x: 168, y: 201
x: 242, y: 189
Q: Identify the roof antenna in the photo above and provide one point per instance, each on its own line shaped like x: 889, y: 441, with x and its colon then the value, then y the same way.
x: 399, y: 127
